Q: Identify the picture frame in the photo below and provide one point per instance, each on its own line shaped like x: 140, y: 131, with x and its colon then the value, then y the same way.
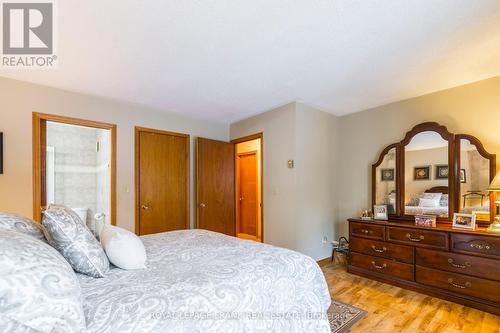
x: 422, y: 173
x: 463, y: 176
x: 464, y: 221
x: 442, y: 171
x: 428, y: 221
x: 380, y: 212
x: 387, y: 175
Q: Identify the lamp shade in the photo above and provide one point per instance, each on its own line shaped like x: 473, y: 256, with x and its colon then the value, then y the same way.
x: 495, y: 184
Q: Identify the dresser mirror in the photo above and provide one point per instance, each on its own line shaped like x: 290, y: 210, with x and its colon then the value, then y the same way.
x: 426, y: 171
x: 385, y: 179
x: 434, y: 172
x: 475, y: 174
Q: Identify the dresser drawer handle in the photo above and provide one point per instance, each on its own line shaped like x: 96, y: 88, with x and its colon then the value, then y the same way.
x: 481, y: 246
x: 378, y: 266
x: 366, y: 232
x: 419, y: 239
x: 452, y: 263
x: 459, y: 286
x: 382, y: 250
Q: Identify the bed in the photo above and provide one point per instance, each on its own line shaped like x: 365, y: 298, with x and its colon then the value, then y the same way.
x: 413, y: 207
x: 201, y: 281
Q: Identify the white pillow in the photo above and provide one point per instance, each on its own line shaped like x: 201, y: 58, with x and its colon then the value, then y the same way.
x: 428, y: 202
x: 434, y: 196
x: 123, y: 248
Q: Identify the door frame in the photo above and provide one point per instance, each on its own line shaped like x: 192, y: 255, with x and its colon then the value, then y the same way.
x: 251, y: 137
x: 137, y: 131
x: 39, y: 130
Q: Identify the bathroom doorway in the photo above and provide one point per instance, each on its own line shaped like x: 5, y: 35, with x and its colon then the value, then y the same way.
x: 74, y: 165
x: 248, y: 185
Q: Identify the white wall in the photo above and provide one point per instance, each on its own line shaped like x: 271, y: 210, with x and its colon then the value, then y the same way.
x: 19, y: 99
x: 299, y: 203
x: 278, y: 128
x: 316, y: 146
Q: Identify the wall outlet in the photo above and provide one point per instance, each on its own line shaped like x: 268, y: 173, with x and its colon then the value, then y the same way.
x: 325, y: 239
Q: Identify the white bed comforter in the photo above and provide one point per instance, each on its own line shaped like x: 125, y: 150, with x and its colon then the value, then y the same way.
x: 201, y: 281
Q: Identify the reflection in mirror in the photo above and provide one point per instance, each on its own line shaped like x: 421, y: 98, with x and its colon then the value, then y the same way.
x: 474, y: 181
x: 426, y: 175
x: 386, y: 182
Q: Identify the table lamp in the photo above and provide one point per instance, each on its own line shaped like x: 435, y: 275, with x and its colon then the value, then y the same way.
x: 495, y: 187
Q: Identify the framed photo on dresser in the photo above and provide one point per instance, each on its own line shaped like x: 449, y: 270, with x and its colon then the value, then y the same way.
x: 380, y: 212
x: 464, y: 221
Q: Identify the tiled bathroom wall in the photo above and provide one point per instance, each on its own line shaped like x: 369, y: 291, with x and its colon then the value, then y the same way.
x: 81, y: 170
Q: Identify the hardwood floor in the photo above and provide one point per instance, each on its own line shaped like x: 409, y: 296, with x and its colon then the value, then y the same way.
x: 392, y: 309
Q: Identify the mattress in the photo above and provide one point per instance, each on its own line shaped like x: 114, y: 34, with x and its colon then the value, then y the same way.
x: 201, y: 281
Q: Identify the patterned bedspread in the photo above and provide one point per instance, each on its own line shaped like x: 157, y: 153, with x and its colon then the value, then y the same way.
x: 201, y: 281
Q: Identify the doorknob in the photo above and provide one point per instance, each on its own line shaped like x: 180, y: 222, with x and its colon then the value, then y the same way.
x: 241, y: 199
x: 203, y: 205
x: 145, y: 207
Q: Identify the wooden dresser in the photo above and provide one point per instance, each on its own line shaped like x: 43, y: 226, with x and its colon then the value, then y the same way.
x: 456, y: 265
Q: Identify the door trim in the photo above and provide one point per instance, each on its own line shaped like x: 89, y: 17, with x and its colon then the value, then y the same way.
x: 137, y: 131
x: 39, y: 120
x: 251, y: 137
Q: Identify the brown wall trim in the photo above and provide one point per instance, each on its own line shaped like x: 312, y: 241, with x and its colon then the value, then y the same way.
x: 324, y: 262
x: 39, y: 120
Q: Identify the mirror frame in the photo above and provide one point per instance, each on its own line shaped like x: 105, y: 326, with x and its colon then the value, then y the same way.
x: 453, y: 163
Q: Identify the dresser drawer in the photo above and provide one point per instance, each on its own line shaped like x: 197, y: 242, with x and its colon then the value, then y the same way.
x: 417, y: 237
x: 485, y: 246
x: 382, y: 249
x: 459, y: 263
x: 458, y: 283
x: 382, y: 266
x: 366, y: 230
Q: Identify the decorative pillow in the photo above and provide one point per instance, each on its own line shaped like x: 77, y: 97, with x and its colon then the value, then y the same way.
x: 124, y: 249
x: 22, y: 224
x: 428, y: 203
x: 9, y: 325
x: 414, y: 199
x: 444, y: 200
x: 67, y: 233
x: 39, y: 292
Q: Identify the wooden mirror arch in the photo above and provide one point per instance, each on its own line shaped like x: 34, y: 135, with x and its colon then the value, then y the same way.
x: 453, y: 188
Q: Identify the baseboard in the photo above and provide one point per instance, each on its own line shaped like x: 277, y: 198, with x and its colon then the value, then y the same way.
x: 324, y: 262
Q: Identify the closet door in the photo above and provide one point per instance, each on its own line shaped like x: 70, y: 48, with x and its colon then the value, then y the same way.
x: 215, y: 186
x: 162, y: 181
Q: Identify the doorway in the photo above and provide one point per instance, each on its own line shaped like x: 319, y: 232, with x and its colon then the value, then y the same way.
x: 248, y: 182
x: 225, y: 173
x: 161, y: 180
x: 74, y: 164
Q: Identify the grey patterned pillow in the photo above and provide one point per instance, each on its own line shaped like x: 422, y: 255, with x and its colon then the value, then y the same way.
x: 67, y: 233
x: 22, y: 224
x: 38, y: 289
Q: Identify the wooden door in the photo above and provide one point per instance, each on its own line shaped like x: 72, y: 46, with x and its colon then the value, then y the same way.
x: 215, y: 186
x: 247, y: 198
x: 162, y: 183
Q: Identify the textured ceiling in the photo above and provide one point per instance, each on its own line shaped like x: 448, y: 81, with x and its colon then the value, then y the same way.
x: 229, y: 59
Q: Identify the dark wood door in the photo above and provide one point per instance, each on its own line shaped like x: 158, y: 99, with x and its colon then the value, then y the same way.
x: 215, y: 186
x: 163, y: 181
x: 247, y: 185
